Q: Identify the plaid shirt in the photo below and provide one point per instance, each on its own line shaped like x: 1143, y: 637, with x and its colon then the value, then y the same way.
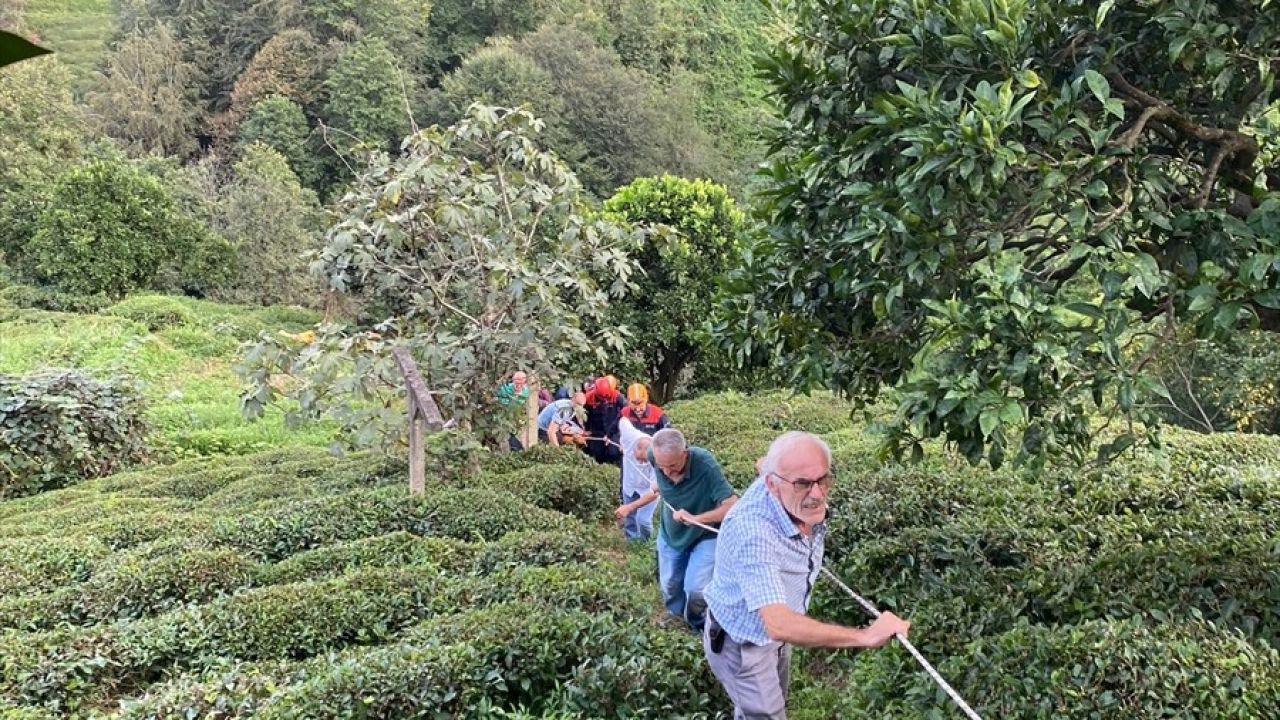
x: 761, y: 559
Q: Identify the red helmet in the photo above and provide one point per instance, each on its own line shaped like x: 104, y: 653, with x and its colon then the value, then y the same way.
x: 604, y: 390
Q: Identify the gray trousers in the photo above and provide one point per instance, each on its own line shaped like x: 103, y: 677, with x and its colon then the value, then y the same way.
x: 755, y: 676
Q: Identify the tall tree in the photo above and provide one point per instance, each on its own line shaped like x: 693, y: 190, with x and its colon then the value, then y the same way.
x: 147, y: 95
x: 367, y: 100
x: 44, y: 130
x: 272, y: 222
x: 1004, y: 208
x: 473, y: 251
x: 626, y: 130
x: 280, y: 124
x: 680, y: 271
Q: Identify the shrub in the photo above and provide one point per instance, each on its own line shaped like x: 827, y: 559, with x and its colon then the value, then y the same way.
x: 40, y: 297
x: 153, y: 311
x: 108, y: 228
x: 588, y: 492
x: 1115, y: 668
x: 391, y: 550
x: 27, y: 567
x: 276, y: 533
x: 132, y: 587
x: 58, y: 426
x: 476, y: 662
x: 74, y: 669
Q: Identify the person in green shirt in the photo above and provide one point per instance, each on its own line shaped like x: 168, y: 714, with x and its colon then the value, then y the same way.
x: 690, y: 480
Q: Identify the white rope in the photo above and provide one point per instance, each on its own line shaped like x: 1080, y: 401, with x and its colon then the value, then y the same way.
x: 871, y: 609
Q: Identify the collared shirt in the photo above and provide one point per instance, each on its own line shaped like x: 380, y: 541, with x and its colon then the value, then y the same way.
x: 761, y: 559
x: 702, y: 489
x: 637, y: 477
x: 560, y: 412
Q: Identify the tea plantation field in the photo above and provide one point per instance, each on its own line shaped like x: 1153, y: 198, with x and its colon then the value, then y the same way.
x: 289, y: 583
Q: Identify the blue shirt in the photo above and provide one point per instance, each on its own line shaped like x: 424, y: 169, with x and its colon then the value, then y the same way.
x: 559, y: 412
x: 761, y: 559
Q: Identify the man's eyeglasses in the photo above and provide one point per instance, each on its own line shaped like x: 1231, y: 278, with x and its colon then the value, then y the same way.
x: 806, y: 485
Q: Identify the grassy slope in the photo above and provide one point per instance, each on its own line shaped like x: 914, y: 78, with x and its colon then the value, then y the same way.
x: 185, y: 368
x: 230, y: 580
x: 77, y: 30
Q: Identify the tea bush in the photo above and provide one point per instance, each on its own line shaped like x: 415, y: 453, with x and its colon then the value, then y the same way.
x: 153, y: 311
x: 59, y: 426
x: 295, y: 584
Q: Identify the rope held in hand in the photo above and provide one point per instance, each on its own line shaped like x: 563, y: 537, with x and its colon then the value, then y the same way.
x: 871, y: 610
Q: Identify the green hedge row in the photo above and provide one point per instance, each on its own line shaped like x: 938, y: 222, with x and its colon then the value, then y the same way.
x: 68, y: 669
x: 588, y: 492
x: 572, y: 663
x: 477, y: 515
x: 1117, y: 668
x: 400, y: 548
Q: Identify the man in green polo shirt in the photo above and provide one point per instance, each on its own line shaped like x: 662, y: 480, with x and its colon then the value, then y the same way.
x: 690, y: 480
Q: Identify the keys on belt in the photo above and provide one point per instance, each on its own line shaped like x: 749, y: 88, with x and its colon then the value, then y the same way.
x: 715, y: 633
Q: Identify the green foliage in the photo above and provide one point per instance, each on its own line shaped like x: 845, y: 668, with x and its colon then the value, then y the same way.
x: 1210, y: 385
x: 43, y: 129
x: 624, y: 128
x: 402, y: 24
x: 278, y: 122
x: 535, y: 271
x: 366, y: 96
x: 456, y: 27
x: 984, y: 204
x: 59, y: 426
x: 288, y: 65
x: 1107, y: 668
x: 499, y: 74
x: 109, y: 228
x: 681, y: 271
x: 146, y: 97
x: 154, y: 311
x: 273, y: 223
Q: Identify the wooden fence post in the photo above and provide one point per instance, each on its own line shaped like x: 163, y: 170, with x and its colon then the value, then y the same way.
x: 530, y: 431
x: 422, y: 410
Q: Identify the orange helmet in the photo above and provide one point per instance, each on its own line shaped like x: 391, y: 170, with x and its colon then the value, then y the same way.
x: 613, y: 382
x: 638, y: 393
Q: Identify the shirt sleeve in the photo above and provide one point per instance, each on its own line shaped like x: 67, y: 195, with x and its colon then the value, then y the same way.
x: 629, y: 434
x: 759, y: 574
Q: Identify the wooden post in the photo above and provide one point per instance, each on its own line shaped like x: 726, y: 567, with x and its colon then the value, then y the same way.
x: 422, y: 409
x: 417, y: 454
x: 530, y: 432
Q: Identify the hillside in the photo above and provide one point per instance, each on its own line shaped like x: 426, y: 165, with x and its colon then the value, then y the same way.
x: 181, y: 351
x: 293, y: 584
x: 77, y: 30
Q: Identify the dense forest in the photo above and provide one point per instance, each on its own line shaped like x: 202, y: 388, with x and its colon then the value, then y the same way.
x: 237, y: 121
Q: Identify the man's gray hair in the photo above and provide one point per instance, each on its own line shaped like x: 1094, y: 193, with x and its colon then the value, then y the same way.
x: 669, y: 440
x: 785, y: 443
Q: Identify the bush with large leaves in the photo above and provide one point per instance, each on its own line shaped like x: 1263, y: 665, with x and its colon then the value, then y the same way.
x: 1003, y: 207
x: 472, y: 250
x: 59, y: 426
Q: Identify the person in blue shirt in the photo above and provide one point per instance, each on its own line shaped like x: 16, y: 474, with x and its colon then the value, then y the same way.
x: 561, y: 418
x: 768, y: 557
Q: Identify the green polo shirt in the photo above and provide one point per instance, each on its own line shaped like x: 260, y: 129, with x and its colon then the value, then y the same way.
x: 703, y: 488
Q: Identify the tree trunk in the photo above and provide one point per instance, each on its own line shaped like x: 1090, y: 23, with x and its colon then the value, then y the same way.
x: 666, y: 376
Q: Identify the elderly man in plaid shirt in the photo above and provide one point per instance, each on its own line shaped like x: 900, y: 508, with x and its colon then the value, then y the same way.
x: 767, y: 559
